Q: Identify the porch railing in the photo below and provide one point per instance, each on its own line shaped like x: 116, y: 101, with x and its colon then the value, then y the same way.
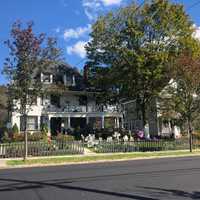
x: 13, y: 150
x: 76, y: 108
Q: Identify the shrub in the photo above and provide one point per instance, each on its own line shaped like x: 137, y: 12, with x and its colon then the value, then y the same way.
x: 60, y: 137
x: 15, y: 129
x: 44, y: 129
x: 6, y: 137
x: 77, y: 133
x: 17, y: 137
x: 37, y: 136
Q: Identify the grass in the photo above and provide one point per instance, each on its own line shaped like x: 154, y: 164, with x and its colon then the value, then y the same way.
x: 93, y: 158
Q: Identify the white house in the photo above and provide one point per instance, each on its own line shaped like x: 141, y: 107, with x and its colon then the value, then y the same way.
x: 67, y: 103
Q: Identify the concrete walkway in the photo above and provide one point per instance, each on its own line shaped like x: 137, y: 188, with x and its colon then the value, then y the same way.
x: 3, y: 163
x: 87, y: 151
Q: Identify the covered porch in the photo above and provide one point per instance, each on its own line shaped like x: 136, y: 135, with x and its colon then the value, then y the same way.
x: 58, y: 123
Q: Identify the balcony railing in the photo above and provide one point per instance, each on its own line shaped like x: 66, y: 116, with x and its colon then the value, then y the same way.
x: 76, y: 108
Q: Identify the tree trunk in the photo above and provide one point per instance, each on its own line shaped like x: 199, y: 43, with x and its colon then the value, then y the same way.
x: 143, y: 109
x: 190, y: 134
x: 25, y: 138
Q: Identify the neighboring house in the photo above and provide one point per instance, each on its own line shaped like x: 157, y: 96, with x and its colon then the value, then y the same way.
x: 167, y: 117
x: 68, y: 103
x: 133, y: 117
x: 158, y: 123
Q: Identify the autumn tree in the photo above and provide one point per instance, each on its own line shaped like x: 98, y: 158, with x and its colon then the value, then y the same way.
x: 184, y: 90
x: 132, y: 50
x: 30, y: 54
x: 3, y: 106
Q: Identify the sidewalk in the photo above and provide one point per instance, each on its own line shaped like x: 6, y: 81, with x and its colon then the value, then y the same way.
x: 3, y: 163
x: 91, y: 157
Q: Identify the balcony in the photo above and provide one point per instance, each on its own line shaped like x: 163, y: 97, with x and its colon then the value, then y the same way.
x: 82, y: 109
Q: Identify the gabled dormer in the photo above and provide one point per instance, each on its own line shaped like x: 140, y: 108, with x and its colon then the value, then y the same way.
x: 46, y: 78
x: 69, y: 79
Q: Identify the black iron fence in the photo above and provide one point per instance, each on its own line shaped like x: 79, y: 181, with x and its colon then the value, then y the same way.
x: 13, y: 150
x: 143, y: 146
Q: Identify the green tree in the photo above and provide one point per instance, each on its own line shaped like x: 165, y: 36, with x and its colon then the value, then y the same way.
x: 15, y: 129
x: 132, y: 50
x: 30, y: 54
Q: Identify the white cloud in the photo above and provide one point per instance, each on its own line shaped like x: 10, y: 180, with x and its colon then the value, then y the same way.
x: 77, y: 32
x: 57, y: 30
x: 197, y: 33
x: 92, y: 8
x: 64, y: 3
x: 77, y: 49
x: 111, y: 2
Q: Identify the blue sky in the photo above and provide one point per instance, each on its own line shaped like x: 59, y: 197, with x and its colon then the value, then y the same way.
x: 69, y: 20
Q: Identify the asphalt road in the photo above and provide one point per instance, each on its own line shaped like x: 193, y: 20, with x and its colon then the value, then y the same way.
x: 141, y: 180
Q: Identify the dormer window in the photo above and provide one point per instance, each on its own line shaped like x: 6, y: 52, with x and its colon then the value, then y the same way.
x: 73, y: 81
x: 46, y: 78
x: 69, y: 80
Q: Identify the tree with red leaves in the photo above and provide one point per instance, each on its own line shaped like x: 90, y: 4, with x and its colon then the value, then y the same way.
x: 30, y: 54
x: 184, y: 91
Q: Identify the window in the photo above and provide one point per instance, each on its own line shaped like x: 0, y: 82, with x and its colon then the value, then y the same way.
x: 31, y: 124
x: 31, y: 99
x: 68, y: 80
x: 83, y: 100
x: 46, y: 78
x: 58, y: 79
x: 55, y: 100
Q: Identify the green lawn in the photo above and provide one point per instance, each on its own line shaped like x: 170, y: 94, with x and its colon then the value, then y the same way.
x: 92, y: 158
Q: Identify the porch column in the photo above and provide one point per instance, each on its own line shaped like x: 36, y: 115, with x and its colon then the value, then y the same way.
x: 51, y: 78
x: 41, y: 77
x: 87, y: 120
x: 49, y: 126
x: 38, y: 122
x: 65, y: 79
x: 117, y: 122
x: 122, y: 121
x: 69, y: 122
x: 102, y: 121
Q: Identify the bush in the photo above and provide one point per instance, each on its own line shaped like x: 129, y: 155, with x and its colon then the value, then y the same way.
x: 6, y: 138
x: 77, y: 133
x: 17, y: 137
x: 15, y: 129
x: 44, y: 129
x: 37, y: 136
x: 60, y: 138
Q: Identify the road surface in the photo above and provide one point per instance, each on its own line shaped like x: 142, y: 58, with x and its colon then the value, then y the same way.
x: 141, y: 180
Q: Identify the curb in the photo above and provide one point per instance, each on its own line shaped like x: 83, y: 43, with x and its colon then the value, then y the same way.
x: 93, y: 162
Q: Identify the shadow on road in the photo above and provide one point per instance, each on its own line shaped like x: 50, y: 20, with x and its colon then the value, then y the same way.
x: 166, y: 192
x: 17, y: 185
